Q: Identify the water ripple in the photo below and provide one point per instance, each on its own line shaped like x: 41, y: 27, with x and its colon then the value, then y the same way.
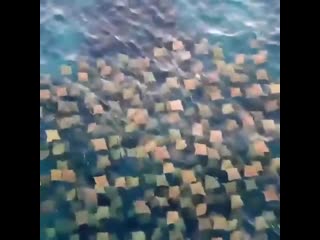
x: 103, y: 27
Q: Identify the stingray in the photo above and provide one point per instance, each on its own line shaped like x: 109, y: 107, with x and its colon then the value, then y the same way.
x: 165, y: 136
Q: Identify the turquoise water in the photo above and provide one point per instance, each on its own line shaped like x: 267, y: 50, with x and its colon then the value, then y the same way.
x: 233, y: 23
x: 67, y: 28
x: 95, y: 28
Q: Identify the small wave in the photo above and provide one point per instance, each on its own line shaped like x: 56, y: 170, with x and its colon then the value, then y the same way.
x: 220, y: 32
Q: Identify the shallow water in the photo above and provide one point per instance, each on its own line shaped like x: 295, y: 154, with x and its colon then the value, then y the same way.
x: 103, y: 28
x: 78, y: 27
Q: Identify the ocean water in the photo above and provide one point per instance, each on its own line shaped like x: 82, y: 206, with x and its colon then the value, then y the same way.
x: 70, y: 29
x: 97, y: 28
